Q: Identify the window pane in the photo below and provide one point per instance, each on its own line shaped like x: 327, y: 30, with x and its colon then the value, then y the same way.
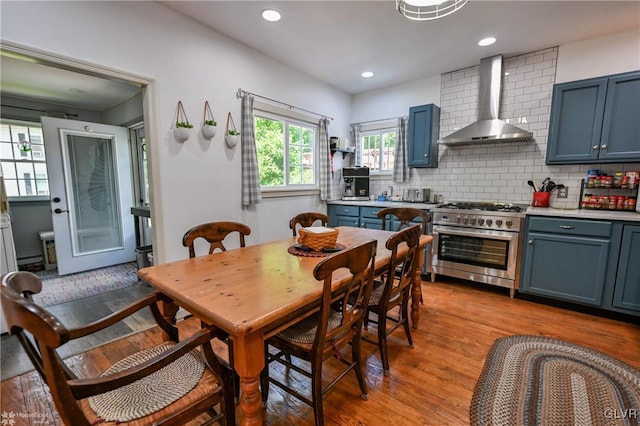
x: 6, y: 151
x: 11, y: 185
x: 20, y: 154
x: 9, y: 170
x: 270, y: 150
x: 35, y: 136
x: 25, y: 170
x: 5, y: 134
x: 389, y: 147
x: 27, y: 186
x: 371, y: 152
x: 37, y: 152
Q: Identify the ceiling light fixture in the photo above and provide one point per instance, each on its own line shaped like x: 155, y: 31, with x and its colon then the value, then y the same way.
x: 367, y: 74
x: 487, y: 41
x: 428, y: 10
x: 271, y: 15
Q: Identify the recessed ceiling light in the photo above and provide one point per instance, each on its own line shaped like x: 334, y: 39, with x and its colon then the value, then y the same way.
x: 487, y: 41
x: 271, y: 15
x: 367, y: 74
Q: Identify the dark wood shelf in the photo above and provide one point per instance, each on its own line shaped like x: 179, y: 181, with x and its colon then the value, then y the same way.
x: 343, y: 151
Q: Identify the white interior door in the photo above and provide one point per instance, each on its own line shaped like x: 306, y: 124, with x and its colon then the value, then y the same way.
x: 89, y: 169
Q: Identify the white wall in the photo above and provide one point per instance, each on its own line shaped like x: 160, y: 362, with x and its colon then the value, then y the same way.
x: 199, y: 180
x: 613, y: 54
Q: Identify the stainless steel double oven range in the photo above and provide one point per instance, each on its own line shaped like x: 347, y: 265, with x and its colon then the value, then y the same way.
x: 479, y: 241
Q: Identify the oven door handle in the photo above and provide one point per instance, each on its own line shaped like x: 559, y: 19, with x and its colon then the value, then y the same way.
x: 478, y: 233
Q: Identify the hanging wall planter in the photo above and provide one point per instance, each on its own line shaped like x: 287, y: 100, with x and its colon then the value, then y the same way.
x: 231, y: 136
x: 183, y: 128
x: 209, y: 125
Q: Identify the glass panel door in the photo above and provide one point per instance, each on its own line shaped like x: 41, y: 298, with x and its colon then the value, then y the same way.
x: 92, y: 191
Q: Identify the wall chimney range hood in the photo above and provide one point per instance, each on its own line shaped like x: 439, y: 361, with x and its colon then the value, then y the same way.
x: 488, y: 128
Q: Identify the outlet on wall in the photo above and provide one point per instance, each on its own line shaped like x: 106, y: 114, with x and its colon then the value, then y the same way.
x: 563, y: 192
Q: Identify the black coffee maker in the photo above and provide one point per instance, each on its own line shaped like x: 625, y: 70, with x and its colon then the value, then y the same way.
x: 356, y: 183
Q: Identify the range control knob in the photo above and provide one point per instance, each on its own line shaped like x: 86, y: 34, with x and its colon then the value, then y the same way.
x: 498, y: 222
x: 489, y: 222
x: 458, y: 219
x: 472, y: 221
x: 480, y: 221
x: 509, y: 224
x: 465, y: 220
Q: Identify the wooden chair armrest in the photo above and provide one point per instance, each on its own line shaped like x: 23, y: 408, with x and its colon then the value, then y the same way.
x: 115, y: 317
x: 83, y: 388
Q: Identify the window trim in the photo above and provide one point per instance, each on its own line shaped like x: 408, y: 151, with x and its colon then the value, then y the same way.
x: 271, y: 112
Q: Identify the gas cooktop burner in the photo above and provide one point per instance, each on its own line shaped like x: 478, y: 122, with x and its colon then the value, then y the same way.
x: 482, y: 206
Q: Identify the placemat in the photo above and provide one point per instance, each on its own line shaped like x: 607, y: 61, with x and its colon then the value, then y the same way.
x: 299, y: 250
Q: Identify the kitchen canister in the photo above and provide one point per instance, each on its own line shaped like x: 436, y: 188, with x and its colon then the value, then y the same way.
x: 541, y: 199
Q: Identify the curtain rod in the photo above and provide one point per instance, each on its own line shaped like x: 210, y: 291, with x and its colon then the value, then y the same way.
x: 376, y: 121
x: 39, y: 110
x: 240, y: 93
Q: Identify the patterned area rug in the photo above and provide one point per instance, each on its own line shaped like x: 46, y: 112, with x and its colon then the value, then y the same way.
x: 59, y: 289
x: 532, y: 380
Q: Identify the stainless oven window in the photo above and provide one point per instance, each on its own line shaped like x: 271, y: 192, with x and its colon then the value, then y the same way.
x: 478, y: 251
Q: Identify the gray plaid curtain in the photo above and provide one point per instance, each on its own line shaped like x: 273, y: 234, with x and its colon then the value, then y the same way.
x: 400, y: 165
x: 324, y: 160
x: 251, y: 193
x: 355, y: 137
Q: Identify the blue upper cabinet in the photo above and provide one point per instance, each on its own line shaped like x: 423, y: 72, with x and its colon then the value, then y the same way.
x: 595, y: 121
x: 424, y: 128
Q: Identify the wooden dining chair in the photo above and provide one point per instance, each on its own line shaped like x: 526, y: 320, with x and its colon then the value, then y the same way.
x: 134, y: 389
x: 405, y: 217
x: 394, y: 290
x: 214, y: 233
x: 307, y: 219
x: 324, y: 334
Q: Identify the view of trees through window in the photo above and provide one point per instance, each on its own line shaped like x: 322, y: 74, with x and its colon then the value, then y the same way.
x: 286, y: 152
x: 378, y: 150
x: 22, y: 155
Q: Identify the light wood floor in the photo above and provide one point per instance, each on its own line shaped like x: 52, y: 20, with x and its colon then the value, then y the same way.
x: 431, y: 384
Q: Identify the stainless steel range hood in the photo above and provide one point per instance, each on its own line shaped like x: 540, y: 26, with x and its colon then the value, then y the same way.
x: 488, y: 128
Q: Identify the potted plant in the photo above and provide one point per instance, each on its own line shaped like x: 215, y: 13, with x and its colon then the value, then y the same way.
x: 231, y: 136
x: 182, y: 130
x: 208, y: 122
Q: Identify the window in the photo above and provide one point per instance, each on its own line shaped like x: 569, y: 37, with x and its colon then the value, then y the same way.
x: 286, y: 151
x: 22, y: 156
x: 378, y: 150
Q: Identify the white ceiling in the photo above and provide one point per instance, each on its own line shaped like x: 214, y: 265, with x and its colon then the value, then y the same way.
x: 334, y: 41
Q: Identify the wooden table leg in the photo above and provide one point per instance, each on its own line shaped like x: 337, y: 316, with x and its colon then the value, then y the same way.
x: 248, y: 359
x: 416, y: 289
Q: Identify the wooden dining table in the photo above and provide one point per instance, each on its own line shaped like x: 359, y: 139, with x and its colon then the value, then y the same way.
x: 256, y: 291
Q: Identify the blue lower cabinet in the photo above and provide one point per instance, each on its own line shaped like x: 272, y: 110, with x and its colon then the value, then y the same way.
x: 340, y: 215
x: 627, y: 289
x: 571, y: 268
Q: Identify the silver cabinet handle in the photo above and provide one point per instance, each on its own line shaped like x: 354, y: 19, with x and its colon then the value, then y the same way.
x: 604, y: 146
x: 595, y: 147
x: 566, y: 227
x: 530, y: 242
x: 426, y: 155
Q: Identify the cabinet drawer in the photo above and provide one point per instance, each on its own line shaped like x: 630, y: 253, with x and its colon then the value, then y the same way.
x: 344, y: 210
x: 570, y: 226
x: 370, y: 212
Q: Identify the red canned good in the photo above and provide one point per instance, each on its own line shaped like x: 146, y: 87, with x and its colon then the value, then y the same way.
x: 613, y: 202
x: 631, y: 204
x: 621, y: 202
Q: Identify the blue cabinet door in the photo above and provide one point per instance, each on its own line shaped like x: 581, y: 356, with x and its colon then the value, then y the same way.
x: 627, y: 289
x: 577, y: 113
x: 424, y: 129
x: 621, y: 129
x: 566, y: 267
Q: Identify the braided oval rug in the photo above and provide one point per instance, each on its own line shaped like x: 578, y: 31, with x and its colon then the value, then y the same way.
x: 533, y: 380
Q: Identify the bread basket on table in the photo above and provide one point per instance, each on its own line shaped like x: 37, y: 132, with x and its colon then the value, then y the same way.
x: 317, y: 237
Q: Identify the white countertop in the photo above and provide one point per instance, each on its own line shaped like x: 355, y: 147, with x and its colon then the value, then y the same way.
x: 383, y: 204
x: 585, y: 213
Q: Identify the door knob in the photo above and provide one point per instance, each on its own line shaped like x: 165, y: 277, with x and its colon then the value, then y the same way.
x: 58, y: 211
